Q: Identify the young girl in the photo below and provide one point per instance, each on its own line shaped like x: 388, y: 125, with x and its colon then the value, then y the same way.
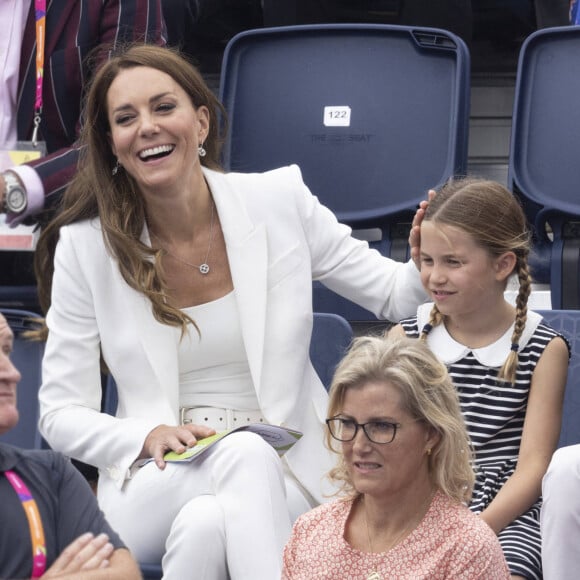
x: 509, y: 368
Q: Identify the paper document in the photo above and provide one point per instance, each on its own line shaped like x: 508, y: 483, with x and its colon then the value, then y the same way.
x: 280, y: 438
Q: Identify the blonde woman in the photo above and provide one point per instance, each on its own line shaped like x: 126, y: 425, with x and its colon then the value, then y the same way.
x: 405, y: 474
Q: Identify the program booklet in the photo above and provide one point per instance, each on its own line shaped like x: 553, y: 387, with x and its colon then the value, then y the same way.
x: 280, y: 438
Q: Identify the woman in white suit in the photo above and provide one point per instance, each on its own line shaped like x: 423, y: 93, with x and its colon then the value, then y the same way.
x: 194, y: 287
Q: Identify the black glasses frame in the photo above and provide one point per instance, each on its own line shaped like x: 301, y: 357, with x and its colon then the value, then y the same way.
x: 330, y: 422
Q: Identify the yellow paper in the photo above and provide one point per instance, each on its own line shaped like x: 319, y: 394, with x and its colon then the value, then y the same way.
x: 19, y: 157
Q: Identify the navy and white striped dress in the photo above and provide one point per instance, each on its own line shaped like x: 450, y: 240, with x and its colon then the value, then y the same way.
x: 494, y: 413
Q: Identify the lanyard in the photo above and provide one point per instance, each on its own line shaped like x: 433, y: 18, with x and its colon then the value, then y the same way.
x: 40, y: 17
x: 34, y: 523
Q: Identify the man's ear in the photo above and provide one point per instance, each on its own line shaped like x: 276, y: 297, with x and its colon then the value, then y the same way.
x: 504, y: 266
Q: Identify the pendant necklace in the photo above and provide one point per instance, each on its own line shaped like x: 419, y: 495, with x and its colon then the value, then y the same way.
x: 203, y: 268
x: 373, y: 574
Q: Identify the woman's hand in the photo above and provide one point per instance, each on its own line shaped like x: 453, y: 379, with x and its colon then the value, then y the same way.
x: 415, y: 234
x: 85, y: 553
x: 165, y: 438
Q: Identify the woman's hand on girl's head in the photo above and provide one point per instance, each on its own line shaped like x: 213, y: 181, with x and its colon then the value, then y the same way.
x: 415, y: 233
x: 166, y: 438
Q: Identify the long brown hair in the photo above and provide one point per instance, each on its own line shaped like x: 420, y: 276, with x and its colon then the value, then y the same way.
x: 493, y: 217
x: 115, y: 199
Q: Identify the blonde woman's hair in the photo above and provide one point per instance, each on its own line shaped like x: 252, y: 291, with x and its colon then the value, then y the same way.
x: 115, y: 199
x: 492, y: 216
x: 427, y: 394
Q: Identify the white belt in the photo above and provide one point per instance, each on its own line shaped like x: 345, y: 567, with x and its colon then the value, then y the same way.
x: 217, y: 418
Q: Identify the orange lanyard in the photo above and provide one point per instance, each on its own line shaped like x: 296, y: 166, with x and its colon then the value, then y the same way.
x: 34, y: 523
x: 40, y: 17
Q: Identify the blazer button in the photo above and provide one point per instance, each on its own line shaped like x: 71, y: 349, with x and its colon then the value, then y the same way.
x: 113, y: 472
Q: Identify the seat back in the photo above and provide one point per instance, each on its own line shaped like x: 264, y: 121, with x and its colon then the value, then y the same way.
x: 151, y: 571
x: 331, y: 337
x: 19, y: 297
x: 374, y: 115
x: 568, y: 323
x: 27, y: 357
x: 543, y: 168
x: 17, y: 281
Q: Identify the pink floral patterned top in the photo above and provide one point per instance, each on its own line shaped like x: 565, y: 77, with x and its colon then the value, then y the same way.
x: 450, y: 542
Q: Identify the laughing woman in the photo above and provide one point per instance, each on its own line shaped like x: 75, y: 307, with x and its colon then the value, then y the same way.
x: 194, y: 287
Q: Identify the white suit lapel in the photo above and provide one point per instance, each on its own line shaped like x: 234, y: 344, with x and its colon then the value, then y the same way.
x: 159, y: 341
x: 248, y: 258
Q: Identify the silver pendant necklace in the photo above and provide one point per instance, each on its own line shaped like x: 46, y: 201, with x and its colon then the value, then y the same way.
x: 203, y: 268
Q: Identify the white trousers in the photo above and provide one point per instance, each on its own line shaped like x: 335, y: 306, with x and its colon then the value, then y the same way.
x: 221, y: 516
x: 560, y: 516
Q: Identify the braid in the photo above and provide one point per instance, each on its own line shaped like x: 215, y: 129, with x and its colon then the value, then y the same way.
x: 435, y: 318
x: 509, y: 368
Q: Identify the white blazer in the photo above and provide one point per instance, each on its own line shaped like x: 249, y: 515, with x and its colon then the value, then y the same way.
x: 278, y: 239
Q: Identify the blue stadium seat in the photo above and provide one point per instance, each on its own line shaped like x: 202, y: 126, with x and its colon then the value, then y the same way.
x: 331, y: 337
x: 374, y: 115
x: 27, y: 357
x: 151, y: 571
x: 568, y: 323
x: 19, y: 297
x: 543, y: 166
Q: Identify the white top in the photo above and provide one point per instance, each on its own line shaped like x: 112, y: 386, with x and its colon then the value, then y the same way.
x: 213, y: 365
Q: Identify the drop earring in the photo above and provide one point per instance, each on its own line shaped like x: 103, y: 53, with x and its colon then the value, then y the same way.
x: 201, y: 151
x: 116, y: 167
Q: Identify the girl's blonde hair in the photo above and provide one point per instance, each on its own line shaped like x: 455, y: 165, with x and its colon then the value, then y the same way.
x: 427, y: 394
x: 493, y: 217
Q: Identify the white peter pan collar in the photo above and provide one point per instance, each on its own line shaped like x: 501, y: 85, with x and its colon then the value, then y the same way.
x: 450, y: 351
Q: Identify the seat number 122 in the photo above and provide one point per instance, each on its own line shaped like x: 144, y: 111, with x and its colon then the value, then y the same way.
x: 337, y: 116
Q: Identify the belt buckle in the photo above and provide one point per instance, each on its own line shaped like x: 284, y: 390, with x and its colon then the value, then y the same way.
x: 182, y: 412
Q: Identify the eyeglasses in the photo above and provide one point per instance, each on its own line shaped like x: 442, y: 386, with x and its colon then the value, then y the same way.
x: 344, y: 430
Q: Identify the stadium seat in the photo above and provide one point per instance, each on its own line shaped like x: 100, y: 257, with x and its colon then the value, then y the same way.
x: 27, y: 357
x: 374, y: 115
x: 151, y: 571
x: 543, y: 167
x: 331, y: 337
x: 19, y: 297
x: 568, y: 323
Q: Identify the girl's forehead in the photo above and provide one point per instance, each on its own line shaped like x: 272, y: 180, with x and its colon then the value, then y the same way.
x: 447, y: 238
x: 434, y: 229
